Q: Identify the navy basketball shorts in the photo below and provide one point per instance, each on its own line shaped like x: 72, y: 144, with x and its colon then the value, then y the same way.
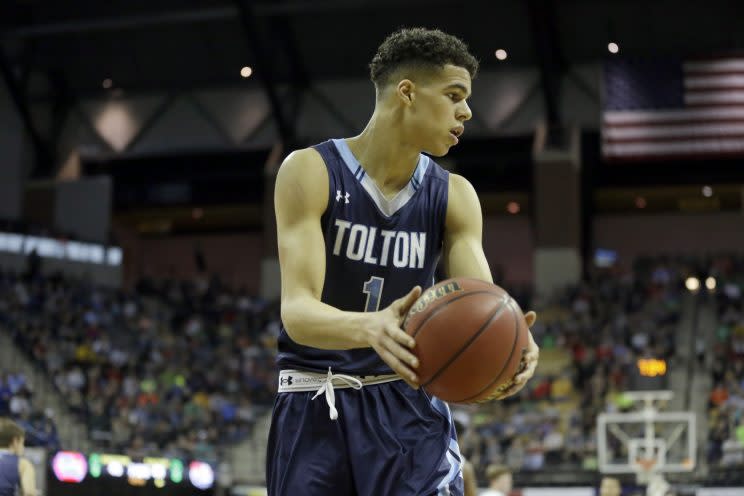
x: 388, y: 440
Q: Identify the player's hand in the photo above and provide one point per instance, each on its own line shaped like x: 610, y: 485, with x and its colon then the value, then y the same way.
x: 529, y: 362
x: 391, y: 342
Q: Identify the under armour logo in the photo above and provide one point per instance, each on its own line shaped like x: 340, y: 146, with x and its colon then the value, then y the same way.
x: 286, y: 381
x: 339, y: 196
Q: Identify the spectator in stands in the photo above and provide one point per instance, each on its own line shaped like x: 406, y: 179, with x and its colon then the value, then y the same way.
x: 733, y: 453
x: 609, y: 486
x: 499, y: 481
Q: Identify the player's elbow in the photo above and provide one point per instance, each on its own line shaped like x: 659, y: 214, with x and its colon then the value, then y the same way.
x: 292, y: 321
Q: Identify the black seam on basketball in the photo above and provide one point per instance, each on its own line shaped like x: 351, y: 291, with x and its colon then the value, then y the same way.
x: 514, y: 345
x: 455, y: 356
x: 439, y: 308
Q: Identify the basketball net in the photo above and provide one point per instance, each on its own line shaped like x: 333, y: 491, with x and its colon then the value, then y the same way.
x: 645, y: 469
x: 646, y: 474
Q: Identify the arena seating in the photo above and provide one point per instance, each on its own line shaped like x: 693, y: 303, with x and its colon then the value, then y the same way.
x: 182, y: 368
x: 726, y: 402
x: 171, y: 368
x: 17, y: 402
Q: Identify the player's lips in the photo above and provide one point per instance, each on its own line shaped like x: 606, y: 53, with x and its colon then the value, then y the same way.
x: 456, y: 132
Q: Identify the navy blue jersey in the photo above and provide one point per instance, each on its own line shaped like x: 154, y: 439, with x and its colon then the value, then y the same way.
x: 377, y: 250
x: 9, y: 476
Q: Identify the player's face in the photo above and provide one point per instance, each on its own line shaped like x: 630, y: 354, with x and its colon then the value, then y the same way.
x: 439, y: 110
x: 18, y: 446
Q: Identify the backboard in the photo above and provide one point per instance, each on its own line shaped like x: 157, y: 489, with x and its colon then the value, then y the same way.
x: 646, y: 441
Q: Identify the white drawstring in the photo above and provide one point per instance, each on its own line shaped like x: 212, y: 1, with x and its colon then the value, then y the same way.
x: 327, y: 388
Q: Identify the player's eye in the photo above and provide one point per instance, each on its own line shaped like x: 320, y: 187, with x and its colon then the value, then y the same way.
x: 454, y: 97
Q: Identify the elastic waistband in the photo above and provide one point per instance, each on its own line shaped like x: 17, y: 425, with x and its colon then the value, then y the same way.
x: 301, y: 380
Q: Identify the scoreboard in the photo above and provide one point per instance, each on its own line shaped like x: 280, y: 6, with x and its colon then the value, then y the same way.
x: 649, y: 374
x: 72, y: 473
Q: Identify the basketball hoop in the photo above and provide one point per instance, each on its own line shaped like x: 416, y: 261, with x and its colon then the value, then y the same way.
x: 655, y: 443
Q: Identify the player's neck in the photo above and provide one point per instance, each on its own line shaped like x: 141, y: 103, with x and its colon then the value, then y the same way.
x: 384, y: 154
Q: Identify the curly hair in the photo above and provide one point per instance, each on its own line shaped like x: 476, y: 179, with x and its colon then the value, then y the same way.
x: 420, y: 48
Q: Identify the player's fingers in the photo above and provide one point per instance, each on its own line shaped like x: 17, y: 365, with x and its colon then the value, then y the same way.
x: 514, y: 389
x: 531, y: 356
x: 510, y: 391
x: 527, y: 373
x: 400, y: 352
x: 403, y: 304
x: 532, y: 352
x: 400, y: 336
x: 399, y: 367
x: 530, y: 317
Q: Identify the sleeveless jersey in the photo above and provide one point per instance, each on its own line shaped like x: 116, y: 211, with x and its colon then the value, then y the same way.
x: 9, y: 476
x: 376, y: 250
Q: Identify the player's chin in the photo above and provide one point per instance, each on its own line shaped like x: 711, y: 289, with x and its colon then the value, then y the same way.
x: 439, y: 150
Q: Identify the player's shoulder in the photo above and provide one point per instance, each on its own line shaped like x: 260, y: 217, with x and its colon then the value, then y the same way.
x: 460, y: 187
x: 303, y: 161
x: 462, y: 203
x: 302, y: 181
x: 24, y: 465
x: 305, y: 165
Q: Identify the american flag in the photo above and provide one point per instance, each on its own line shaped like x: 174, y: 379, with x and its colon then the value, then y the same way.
x: 667, y: 109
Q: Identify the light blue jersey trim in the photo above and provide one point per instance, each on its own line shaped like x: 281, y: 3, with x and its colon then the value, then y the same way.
x: 391, y: 206
x: 453, y: 456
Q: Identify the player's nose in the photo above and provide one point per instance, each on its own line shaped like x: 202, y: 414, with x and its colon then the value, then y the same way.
x: 463, y: 112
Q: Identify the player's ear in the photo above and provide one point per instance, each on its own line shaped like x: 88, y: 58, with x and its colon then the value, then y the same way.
x: 406, y: 91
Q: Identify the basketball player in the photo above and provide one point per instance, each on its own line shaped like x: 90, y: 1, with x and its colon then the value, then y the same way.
x: 15, y: 471
x: 361, y: 225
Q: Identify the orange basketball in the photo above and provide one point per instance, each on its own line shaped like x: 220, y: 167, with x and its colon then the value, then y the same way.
x: 470, y: 338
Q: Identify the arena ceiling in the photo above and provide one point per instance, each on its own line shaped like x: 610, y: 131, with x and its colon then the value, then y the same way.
x: 58, y: 53
x: 74, y: 45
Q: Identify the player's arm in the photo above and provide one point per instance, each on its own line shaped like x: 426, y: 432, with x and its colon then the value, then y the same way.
x: 463, y: 244
x: 464, y: 257
x: 28, y: 477
x: 300, y: 199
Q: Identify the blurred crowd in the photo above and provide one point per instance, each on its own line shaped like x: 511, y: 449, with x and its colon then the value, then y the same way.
x: 173, y: 368
x: 17, y: 402
x: 590, y: 336
x: 185, y: 368
x: 726, y: 401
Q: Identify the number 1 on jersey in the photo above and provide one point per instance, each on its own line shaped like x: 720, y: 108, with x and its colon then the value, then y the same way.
x: 373, y: 290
